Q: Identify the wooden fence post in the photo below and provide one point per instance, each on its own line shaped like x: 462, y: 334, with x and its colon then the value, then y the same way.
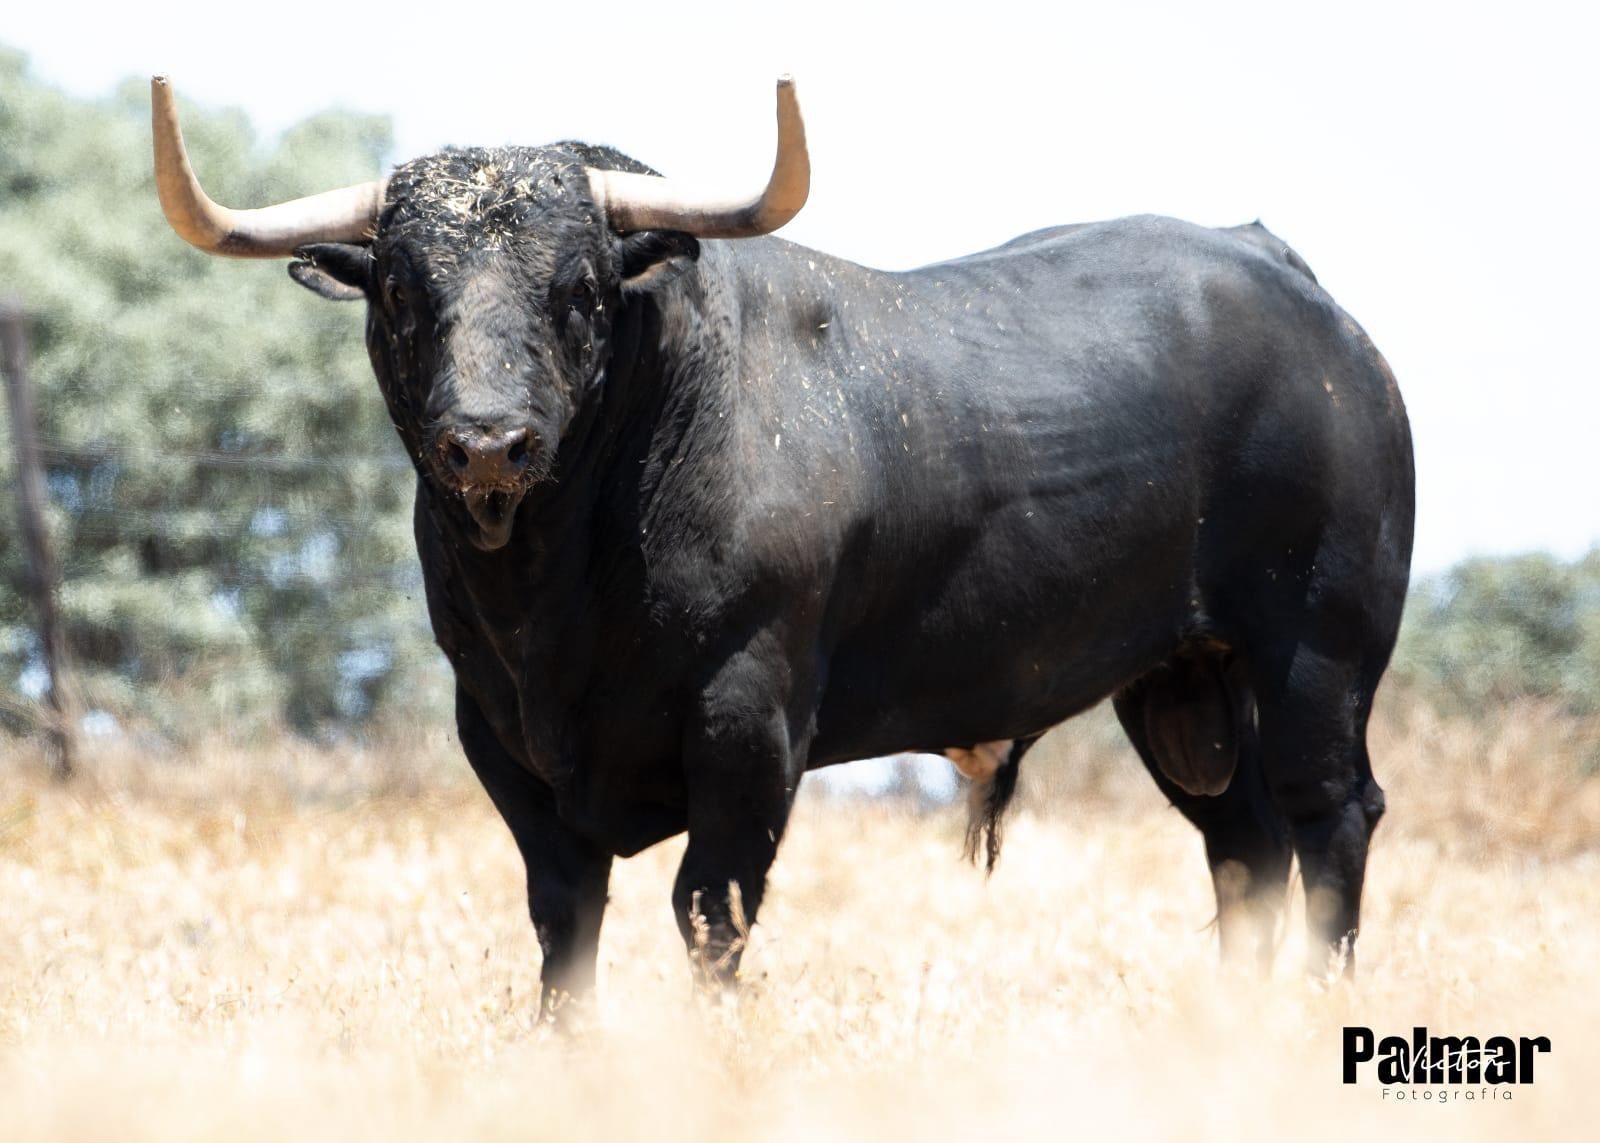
x: 41, y: 579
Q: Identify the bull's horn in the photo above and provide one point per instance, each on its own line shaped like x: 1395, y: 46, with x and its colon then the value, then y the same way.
x: 344, y: 215
x: 643, y: 202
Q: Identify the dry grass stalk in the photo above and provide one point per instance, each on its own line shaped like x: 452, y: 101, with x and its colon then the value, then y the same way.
x: 254, y: 946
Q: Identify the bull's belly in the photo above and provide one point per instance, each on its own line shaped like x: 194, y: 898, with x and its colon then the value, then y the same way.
x: 1032, y: 612
x: 994, y: 683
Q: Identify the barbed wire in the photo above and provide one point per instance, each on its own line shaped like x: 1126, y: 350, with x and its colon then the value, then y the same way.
x: 218, y: 458
x: 277, y: 528
x: 111, y: 522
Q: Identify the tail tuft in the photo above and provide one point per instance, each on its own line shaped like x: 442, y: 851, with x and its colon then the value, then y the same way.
x: 987, y: 799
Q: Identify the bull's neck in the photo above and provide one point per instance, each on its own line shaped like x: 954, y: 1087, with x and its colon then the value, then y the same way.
x: 665, y: 387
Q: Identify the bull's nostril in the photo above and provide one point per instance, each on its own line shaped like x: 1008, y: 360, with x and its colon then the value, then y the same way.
x: 457, y: 456
x: 517, y: 454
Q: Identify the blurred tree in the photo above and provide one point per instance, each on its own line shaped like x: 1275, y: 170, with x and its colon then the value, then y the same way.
x: 1493, y: 630
x: 231, y: 506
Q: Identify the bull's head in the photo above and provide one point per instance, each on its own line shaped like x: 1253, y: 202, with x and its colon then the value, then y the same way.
x: 492, y: 278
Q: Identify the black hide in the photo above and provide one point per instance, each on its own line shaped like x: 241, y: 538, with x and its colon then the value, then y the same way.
x: 782, y: 511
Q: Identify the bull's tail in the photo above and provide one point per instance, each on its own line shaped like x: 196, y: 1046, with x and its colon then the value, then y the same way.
x: 992, y: 768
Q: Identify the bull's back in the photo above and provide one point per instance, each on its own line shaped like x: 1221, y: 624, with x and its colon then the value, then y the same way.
x: 1101, y: 431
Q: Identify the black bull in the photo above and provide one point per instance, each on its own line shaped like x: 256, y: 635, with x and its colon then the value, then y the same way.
x: 697, y: 518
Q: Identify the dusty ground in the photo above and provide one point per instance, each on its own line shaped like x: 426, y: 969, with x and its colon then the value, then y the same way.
x: 293, y: 945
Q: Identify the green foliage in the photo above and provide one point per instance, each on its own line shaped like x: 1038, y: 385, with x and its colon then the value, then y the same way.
x: 1492, y: 631
x: 229, y: 501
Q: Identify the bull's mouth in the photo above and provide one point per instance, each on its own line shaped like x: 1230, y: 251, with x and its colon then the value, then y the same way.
x: 493, y: 509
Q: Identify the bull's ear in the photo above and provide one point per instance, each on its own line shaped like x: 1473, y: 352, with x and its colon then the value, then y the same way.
x: 652, y: 258
x: 338, y: 271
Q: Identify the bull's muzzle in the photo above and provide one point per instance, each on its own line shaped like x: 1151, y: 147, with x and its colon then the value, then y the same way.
x: 478, y: 455
x: 490, y: 467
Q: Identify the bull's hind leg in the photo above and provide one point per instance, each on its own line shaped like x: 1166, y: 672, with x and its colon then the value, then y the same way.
x: 1314, y: 737
x: 1246, y: 839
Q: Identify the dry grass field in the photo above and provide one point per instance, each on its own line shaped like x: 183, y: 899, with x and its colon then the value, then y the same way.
x: 302, y: 945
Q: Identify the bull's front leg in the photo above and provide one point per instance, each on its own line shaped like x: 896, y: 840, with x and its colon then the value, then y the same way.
x: 567, y: 875
x: 741, y: 769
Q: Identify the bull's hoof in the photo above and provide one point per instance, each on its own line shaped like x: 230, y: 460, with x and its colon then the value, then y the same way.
x: 567, y: 1011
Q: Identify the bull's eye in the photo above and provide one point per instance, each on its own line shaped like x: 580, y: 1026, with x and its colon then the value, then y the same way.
x: 582, y: 299
x: 394, y: 296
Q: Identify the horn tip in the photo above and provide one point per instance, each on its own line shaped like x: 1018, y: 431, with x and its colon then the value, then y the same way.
x: 786, y: 80
x: 161, y: 79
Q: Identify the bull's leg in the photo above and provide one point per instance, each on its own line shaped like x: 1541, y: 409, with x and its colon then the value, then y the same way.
x: 741, y: 773
x: 1246, y: 839
x: 1313, y: 731
x: 567, y: 876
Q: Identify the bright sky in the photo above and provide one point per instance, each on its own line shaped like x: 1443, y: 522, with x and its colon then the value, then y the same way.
x: 1434, y: 163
